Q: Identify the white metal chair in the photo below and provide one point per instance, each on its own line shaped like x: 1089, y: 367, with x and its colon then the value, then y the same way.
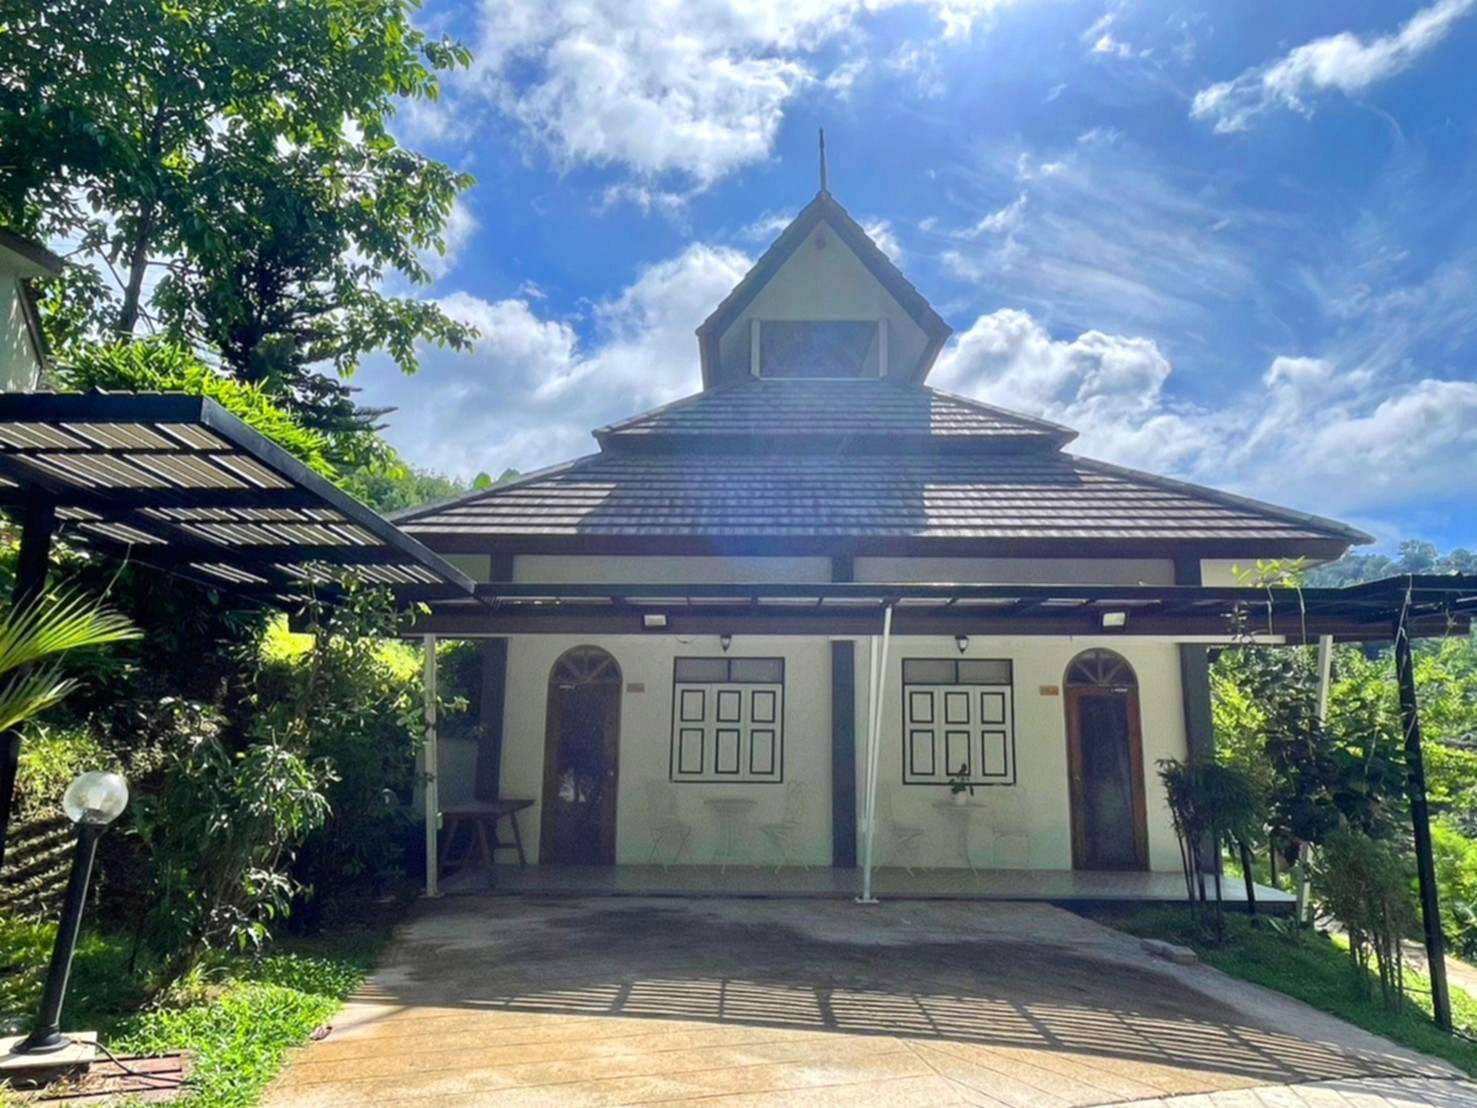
x: 1009, y: 822
x: 903, y: 839
x: 787, y: 835
x: 664, y: 822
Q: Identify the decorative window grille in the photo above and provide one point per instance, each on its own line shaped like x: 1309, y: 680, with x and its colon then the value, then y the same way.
x: 728, y: 719
x: 958, y: 712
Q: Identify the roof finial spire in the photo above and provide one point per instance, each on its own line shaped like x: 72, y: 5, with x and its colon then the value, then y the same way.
x: 823, y: 160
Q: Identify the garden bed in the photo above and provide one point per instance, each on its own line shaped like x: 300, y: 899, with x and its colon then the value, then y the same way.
x: 1312, y: 967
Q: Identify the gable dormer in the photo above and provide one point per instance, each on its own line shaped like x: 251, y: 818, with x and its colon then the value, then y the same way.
x: 823, y: 301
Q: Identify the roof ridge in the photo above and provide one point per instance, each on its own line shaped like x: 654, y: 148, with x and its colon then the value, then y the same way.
x: 1230, y: 499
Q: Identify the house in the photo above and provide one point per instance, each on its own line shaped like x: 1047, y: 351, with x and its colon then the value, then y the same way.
x: 815, y: 453
x: 22, y: 347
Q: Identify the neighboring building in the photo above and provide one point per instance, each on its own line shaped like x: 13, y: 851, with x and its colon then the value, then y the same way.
x: 22, y: 348
x: 815, y: 453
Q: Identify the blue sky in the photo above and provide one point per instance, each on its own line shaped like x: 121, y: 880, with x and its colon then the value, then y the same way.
x: 1231, y: 242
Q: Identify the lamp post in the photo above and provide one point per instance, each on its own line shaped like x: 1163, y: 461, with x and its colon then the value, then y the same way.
x: 92, y: 801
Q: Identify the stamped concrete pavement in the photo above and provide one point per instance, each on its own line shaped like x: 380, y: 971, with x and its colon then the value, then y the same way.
x: 733, y: 1003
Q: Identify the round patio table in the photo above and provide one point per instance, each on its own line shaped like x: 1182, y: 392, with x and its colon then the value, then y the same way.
x: 961, y: 815
x: 729, y: 811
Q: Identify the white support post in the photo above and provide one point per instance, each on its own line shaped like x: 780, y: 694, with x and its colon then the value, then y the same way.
x: 1305, y: 850
x: 432, y: 789
x: 878, y: 662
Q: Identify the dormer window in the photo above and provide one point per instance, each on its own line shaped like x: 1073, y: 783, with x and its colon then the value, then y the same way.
x: 818, y: 348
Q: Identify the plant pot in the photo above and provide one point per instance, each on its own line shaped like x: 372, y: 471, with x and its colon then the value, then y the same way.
x: 961, y: 799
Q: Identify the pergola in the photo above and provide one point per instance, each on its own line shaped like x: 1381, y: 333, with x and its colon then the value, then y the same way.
x: 177, y: 483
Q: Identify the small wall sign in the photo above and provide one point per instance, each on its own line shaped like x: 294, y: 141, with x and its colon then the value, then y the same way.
x: 635, y: 686
x: 1051, y: 690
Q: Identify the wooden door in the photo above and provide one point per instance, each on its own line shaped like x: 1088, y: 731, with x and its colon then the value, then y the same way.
x: 1105, y: 761
x: 581, y: 760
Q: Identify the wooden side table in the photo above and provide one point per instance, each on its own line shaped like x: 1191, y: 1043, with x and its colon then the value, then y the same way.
x: 481, y: 818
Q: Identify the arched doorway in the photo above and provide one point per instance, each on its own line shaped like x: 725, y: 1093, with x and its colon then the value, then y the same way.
x: 1105, y: 761
x: 581, y: 751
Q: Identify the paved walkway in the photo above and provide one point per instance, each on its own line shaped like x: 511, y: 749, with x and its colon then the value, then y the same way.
x: 739, y: 1003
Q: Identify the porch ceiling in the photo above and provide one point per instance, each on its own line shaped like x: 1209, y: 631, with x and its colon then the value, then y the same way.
x: 178, y: 483
x: 1430, y: 606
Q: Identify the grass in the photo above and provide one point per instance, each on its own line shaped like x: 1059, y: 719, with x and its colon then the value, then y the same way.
x: 1313, y: 968
x: 238, y: 1017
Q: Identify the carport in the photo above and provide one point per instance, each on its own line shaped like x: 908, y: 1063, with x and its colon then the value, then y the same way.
x: 177, y: 483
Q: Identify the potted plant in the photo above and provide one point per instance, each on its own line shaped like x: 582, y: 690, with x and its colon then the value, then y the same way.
x: 959, y: 787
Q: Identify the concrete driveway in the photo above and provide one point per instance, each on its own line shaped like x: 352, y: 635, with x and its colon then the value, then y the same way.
x: 763, y: 1002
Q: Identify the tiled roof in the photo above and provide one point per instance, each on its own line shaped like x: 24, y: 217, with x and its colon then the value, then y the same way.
x: 1031, y: 495
x: 829, y: 415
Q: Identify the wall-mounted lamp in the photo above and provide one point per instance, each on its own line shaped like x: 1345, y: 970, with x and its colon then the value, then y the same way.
x: 1113, y: 621
x: 725, y: 641
x: 962, y: 642
x: 654, y: 620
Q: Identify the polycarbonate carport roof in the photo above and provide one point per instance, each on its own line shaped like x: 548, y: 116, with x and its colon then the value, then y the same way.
x: 178, y: 483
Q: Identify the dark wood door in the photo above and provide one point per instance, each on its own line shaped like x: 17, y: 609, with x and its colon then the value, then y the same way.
x: 581, y: 760
x: 1105, y: 759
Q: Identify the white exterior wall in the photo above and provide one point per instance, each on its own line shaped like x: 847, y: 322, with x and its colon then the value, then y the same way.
x: 20, y: 365
x: 1040, y: 748
x: 646, y: 730
x: 1018, y: 571
x: 646, y: 736
x: 564, y: 569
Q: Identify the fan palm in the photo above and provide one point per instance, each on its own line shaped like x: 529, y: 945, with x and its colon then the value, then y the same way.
x: 32, y: 638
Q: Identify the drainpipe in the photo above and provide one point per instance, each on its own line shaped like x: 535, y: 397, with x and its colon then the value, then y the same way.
x: 878, y: 664
x: 432, y: 793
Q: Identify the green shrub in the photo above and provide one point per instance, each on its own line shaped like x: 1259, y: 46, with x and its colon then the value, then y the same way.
x: 1365, y: 884
x: 348, y: 697
x: 1456, y: 880
x: 219, y: 839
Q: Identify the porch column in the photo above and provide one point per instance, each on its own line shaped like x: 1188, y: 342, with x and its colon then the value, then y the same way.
x: 1420, y: 818
x: 432, y: 791
x: 843, y: 755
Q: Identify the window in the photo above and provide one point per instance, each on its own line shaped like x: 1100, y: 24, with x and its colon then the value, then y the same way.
x: 819, y: 348
x: 958, y: 713
x: 728, y: 719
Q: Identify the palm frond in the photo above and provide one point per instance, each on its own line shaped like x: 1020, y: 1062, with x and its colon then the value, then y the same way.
x: 30, y: 692
x: 48, y: 627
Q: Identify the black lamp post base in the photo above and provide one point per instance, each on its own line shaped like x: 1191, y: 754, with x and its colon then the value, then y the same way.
x: 42, y: 1042
x: 17, y: 1065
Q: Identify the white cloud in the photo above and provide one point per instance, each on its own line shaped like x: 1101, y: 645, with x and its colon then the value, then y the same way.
x: 1000, y: 221
x: 531, y: 390
x: 1316, y: 434
x: 1099, y: 234
x: 1344, y: 62
x: 880, y: 231
x: 696, y: 87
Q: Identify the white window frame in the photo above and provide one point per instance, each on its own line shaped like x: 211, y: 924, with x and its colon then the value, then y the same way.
x: 727, y: 731
x: 960, y: 722
x: 757, y: 370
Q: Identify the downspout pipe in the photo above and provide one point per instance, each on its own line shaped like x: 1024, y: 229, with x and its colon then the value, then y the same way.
x: 874, y: 751
x: 431, y: 776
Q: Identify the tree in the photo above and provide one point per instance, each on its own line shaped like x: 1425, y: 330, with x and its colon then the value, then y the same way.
x: 238, y: 149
